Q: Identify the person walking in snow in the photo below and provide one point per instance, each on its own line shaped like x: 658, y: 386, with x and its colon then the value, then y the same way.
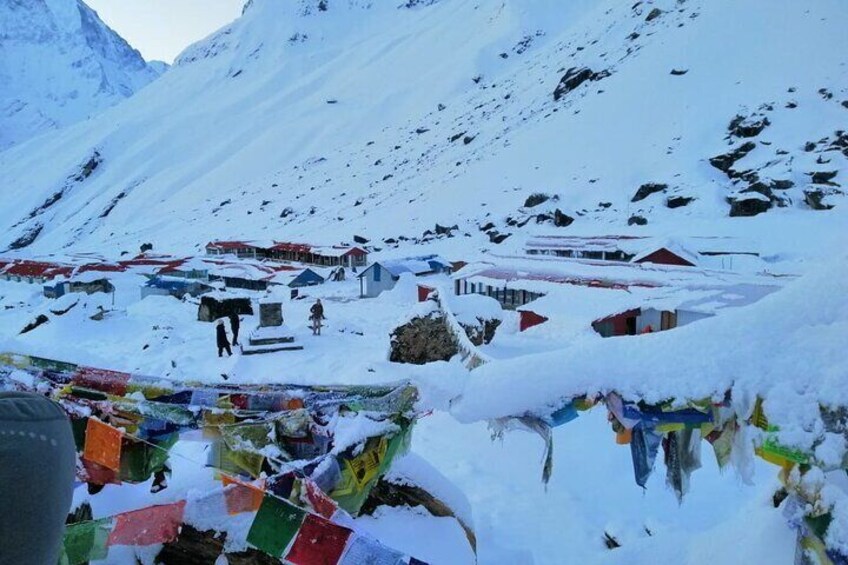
x: 316, y: 314
x: 223, y: 342
x: 235, y: 323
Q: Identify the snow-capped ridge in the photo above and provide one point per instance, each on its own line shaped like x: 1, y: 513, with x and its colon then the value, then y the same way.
x: 61, y: 64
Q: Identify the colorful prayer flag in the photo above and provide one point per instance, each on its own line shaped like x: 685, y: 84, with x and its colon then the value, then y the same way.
x: 320, y: 502
x: 110, y: 382
x: 275, y: 525
x: 319, y: 542
x: 242, y: 496
x: 103, y: 444
x: 86, y: 541
x: 366, y: 551
x: 148, y: 526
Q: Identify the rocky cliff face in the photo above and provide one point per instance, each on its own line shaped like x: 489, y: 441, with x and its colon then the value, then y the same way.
x: 59, y: 64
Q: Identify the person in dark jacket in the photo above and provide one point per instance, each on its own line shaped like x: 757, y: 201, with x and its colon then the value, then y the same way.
x: 223, y: 342
x: 235, y: 323
x: 37, y: 460
x: 316, y: 314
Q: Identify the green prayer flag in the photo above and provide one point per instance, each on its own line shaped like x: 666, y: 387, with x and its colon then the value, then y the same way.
x: 86, y: 541
x: 275, y: 525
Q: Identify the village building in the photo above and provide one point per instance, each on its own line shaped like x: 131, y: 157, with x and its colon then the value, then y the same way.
x: 383, y: 275
x: 297, y: 278
x: 88, y: 282
x: 725, y: 253
x: 613, y: 300
x: 241, y: 249
x: 348, y: 256
x: 351, y: 257
x: 34, y: 272
x: 248, y: 275
x: 192, y: 269
x: 178, y: 288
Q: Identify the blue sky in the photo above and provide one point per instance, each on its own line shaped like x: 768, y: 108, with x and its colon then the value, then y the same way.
x: 161, y: 29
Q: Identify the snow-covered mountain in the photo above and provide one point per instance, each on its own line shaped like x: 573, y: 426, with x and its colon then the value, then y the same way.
x: 59, y: 64
x: 322, y: 119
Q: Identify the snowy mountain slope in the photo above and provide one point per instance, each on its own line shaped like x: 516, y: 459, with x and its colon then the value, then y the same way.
x: 381, y: 120
x: 59, y: 64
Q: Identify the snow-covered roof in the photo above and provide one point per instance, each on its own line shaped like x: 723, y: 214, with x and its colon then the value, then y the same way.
x: 543, y: 273
x: 322, y: 250
x: 788, y: 348
x: 287, y: 276
x: 640, y: 244
x: 232, y: 245
x: 626, y: 243
x: 669, y: 245
x: 191, y: 264
x: 415, y: 265
x: 88, y: 276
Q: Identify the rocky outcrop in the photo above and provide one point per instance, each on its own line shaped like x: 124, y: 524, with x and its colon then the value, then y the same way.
x: 574, y: 77
x: 726, y: 161
x: 814, y: 198
x: 636, y: 220
x: 425, y: 339
x: 562, y: 220
x: 535, y: 199
x: 748, y: 205
x: 653, y: 14
x: 823, y: 177
x: 742, y: 126
x: 648, y: 189
x: 678, y: 201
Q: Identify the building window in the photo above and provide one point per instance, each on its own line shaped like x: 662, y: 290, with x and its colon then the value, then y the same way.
x: 376, y: 273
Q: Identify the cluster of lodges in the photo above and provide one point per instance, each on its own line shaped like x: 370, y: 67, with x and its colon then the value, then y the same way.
x: 61, y: 278
x: 347, y: 256
x: 616, y: 285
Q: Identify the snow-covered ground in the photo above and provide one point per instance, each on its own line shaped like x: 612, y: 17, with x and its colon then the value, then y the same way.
x: 517, y: 519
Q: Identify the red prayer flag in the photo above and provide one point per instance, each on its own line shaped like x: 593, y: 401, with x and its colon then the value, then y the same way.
x: 320, y: 502
x: 98, y: 474
x: 103, y: 444
x: 319, y: 542
x: 110, y: 382
x: 148, y: 526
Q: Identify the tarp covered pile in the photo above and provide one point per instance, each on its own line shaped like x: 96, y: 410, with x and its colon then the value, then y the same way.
x: 814, y: 481
x: 297, y: 461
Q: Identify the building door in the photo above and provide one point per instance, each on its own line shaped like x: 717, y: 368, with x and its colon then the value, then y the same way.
x: 668, y: 320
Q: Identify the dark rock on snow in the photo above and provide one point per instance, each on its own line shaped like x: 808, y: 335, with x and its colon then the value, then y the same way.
x: 813, y: 198
x: 535, y: 199
x: 39, y: 321
x: 637, y: 221
x: 426, y: 339
x: 725, y: 161
x: 748, y: 206
x: 574, y: 77
x: 740, y: 126
x: 823, y: 177
x: 648, y: 189
x: 653, y: 14
x: 562, y: 220
x: 678, y: 201
x: 497, y: 237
